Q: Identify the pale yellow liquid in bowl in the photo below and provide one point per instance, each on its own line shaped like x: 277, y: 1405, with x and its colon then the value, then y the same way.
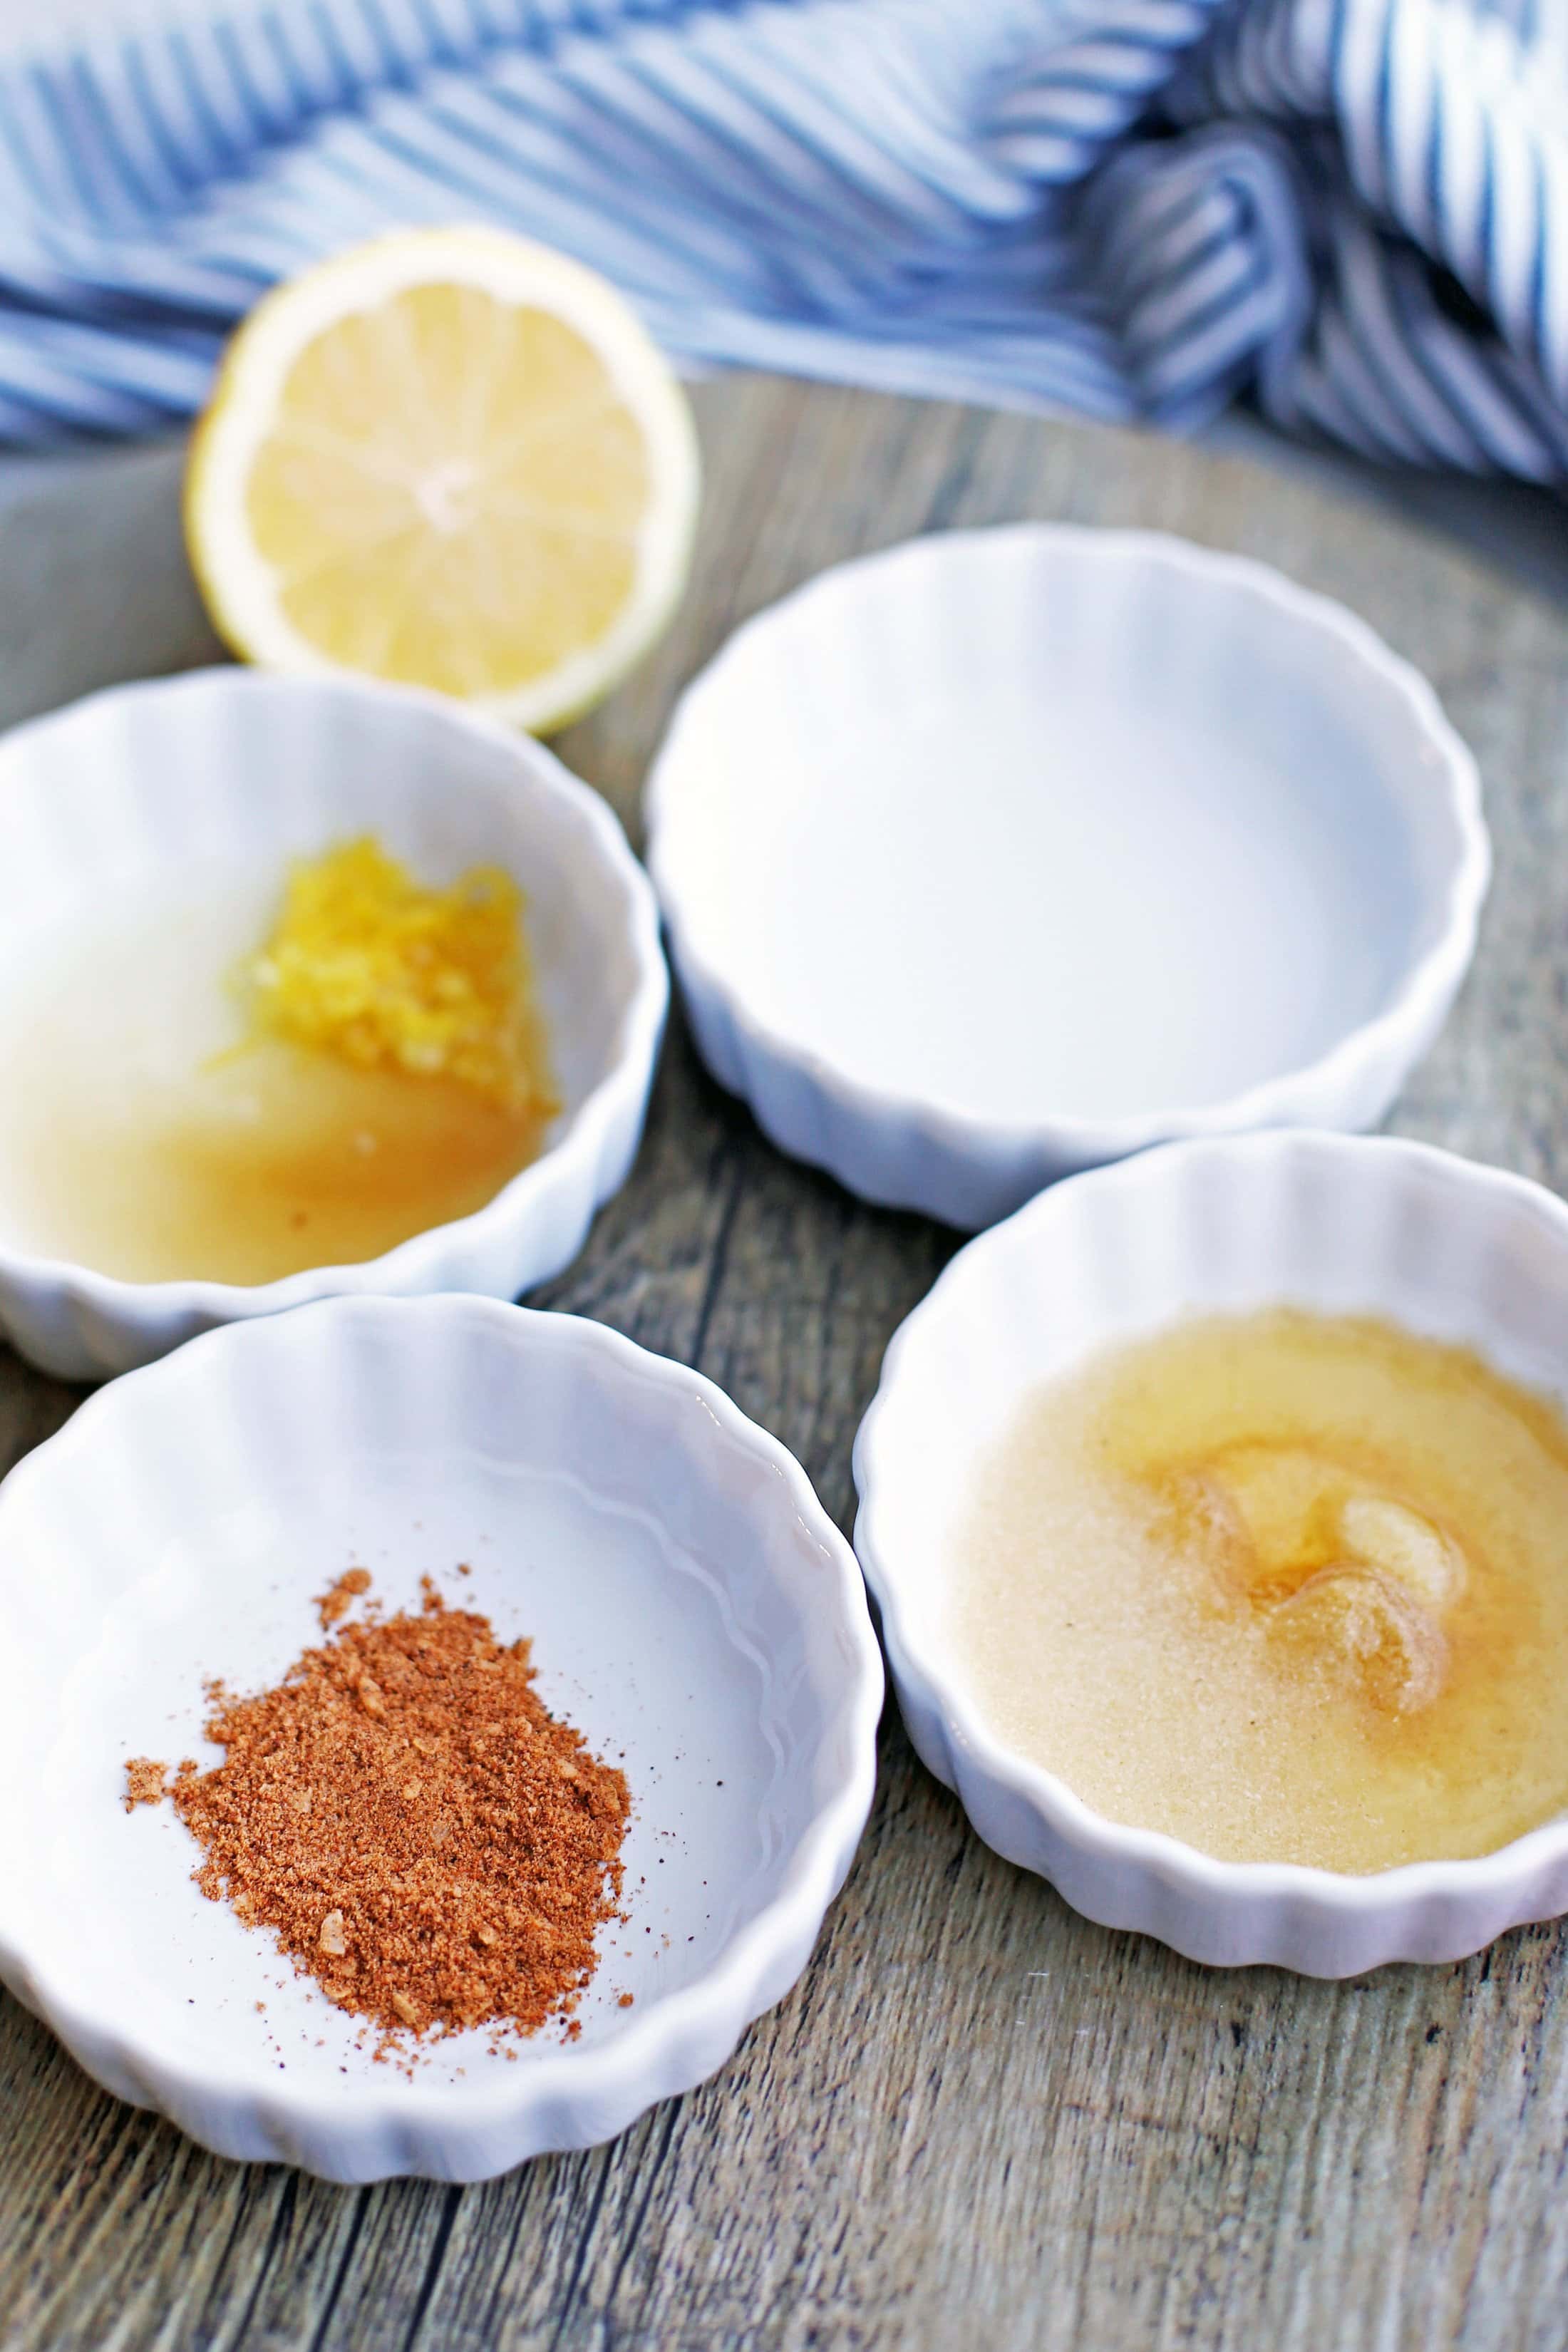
x: 1287, y: 1588
x: 147, y: 1133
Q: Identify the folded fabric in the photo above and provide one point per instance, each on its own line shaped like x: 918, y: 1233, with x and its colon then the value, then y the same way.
x: 1355, y: 210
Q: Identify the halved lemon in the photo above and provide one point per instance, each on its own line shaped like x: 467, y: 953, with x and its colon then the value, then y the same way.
x: 450, y: 458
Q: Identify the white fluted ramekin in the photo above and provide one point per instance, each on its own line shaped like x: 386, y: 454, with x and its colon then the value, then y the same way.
x: 694, y: 1613
x: 154, y: 788
x: 1006, y: 853
x: 1457, y: 1252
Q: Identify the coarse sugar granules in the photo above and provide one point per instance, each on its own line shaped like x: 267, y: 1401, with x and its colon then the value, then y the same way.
x: 417, y: 1831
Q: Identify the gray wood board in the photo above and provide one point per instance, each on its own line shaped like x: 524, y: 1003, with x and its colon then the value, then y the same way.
x: 977, y: 2117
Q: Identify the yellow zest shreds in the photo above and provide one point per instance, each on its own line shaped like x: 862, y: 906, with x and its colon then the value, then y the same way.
x: 367, y: 963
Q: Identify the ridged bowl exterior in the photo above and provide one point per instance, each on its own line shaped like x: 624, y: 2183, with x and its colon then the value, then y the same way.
x: 1459, y: 1253
x: 917, y: 619
x: 233, y: 767
x: 336, y: 1400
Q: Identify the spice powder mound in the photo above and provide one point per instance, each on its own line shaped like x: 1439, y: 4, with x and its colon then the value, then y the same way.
x: 419, y: 1832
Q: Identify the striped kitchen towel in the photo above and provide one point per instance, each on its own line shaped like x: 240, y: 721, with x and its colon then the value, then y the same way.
x: 1355, y: 210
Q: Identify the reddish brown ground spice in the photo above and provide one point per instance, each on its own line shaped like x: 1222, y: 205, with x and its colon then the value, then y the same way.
x: 421, y: 1835
x: 338, y: 1599
x: 145, y: 1778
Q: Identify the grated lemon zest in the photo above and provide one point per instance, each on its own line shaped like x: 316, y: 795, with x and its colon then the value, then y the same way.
x: 367, y: 963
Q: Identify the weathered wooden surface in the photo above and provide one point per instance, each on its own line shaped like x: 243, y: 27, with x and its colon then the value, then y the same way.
x: 977, y: 2119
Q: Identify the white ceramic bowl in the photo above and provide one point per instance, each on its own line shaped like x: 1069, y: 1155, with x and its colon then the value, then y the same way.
x: 1010, y: 852
x: 691, y: 1604
x: 1457, y: 1252
x: 197, y: 790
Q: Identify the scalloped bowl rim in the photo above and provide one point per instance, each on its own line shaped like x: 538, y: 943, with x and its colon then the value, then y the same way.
x: 1169, y: 1858
x: 1426, y: 982
x: 636, y: 1041
x: 647, y: 2045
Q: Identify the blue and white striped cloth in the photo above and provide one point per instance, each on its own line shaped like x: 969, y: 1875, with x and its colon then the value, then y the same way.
x: 1355, y: 209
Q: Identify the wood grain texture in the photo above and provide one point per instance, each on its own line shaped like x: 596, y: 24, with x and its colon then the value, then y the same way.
x: 977, y: 2118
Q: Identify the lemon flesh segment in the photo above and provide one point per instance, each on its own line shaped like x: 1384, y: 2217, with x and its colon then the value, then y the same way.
x: 484, y: 487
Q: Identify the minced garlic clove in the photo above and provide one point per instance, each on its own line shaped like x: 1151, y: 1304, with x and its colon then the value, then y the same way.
x: 1368, y: 1629
x: 1399, y: 1541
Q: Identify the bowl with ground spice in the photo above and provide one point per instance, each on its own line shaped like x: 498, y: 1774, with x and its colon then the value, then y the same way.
x: 308, y: 986
x: 444, y: 1727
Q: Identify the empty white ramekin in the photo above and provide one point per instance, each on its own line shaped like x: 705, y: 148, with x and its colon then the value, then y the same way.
x: 176, y: 785
x: 694, y: 1612
x: 1456, y: 1252
x: 1010, y: 852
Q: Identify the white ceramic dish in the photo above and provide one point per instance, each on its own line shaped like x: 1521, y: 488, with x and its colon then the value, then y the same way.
x: 1458, y: 1252
x: 1010, y: 852
x: 691, y: 1604
x: 197, y: 790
